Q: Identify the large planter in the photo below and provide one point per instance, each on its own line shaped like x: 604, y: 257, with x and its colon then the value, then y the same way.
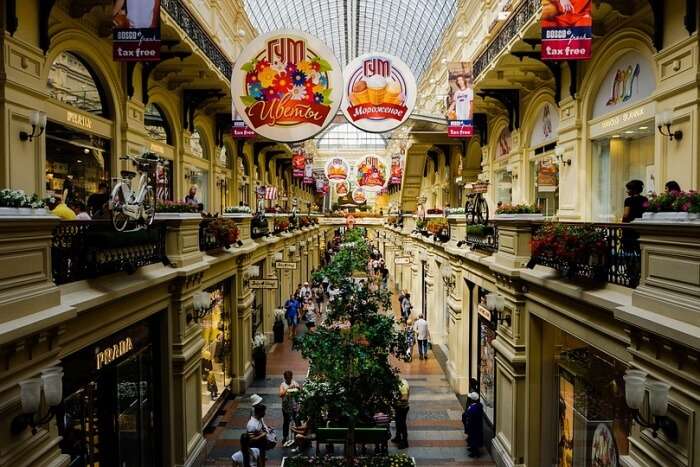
x: 524, y: 217
x: 278, y: 331
x: 668, y: 217
x: 260, y: 364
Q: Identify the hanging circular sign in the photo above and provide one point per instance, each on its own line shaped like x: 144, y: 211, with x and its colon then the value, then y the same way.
x: 342, y: 188
x: 380, y: 92
x: 371, y: 173
x: 286, y: 85
x: 358, y: 196
x: 337, y: 169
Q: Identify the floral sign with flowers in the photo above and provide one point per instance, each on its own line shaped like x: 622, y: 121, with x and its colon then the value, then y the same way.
x: 371, y: 173
x: 286, y: 85
x: 380, y: 92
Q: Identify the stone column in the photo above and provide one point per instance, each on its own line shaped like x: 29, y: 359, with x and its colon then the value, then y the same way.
x: 241, y: 332
x: 513, y: 245
x: 458, y: 337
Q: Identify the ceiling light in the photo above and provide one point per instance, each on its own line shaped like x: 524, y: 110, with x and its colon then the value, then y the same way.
x: 643, y: 127
x: 629, y: 132
x: 79, y: 161
x: 615, y: 136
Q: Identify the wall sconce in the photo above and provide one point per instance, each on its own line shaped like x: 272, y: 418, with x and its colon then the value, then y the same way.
x: 496, y: 303
x: 447, y: 277
x: 190, y: 174
x: 254, y: 271
x: 635, y: 383
x: 559, y: 152
x: 201, y: 305
x: 222, y: 183
x: 278, y: 256
x: 292, y: 249
x: 665, y: 119
x: 51, y: 381
x: 38, y: 121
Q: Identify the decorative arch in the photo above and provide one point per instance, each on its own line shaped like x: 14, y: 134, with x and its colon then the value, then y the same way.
x: 499, y: 124
x: 204, y: 128
x: 167, y: 104
x: 539, y: 99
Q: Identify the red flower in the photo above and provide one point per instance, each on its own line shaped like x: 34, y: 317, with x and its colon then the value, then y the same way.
x: 315, y: 65
x: 270, y: 93
x: 251, y: 77
x: 262, y: 64
x: 282, y: 83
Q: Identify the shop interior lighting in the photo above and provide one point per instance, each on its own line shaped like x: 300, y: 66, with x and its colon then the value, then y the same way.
x: 664, y: 120
x: 38, y: 121
x: 201, y: 305
x: 636, y: 385
x: 559, y: 152
x: 496, y: 304
x: 50, y: 383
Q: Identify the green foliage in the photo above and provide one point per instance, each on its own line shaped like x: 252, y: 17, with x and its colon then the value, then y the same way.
x: 392, y: 460
x: 479, y: 230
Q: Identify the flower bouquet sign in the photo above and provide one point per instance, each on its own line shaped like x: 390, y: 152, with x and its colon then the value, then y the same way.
x: 371, y: 174
x: 286, y: 85
x: 380, y: 92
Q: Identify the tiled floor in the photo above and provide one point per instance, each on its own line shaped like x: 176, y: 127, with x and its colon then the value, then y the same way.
x: 434, y: 419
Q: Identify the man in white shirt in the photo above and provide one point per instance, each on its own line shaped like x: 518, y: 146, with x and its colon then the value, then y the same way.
x: 305, y: 290
x: 406, y: 306
x: 422, y: 336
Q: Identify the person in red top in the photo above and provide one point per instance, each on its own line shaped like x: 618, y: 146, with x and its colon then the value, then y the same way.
x: 566, y: 13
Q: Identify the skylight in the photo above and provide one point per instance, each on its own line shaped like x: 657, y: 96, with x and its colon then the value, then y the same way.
x: 346, y: 136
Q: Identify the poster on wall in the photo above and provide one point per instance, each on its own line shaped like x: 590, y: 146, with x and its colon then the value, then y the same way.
x: 565, y: 453
x: 567, y: 29
x: 504, y: 144
x: 460, y: 98
x: 309, y: 170
x: 298, y: 161
x: 359, y: 196
x: 136, y: 30
x: 287, y: 85
x: 371, y: 173
x: 337, y: 169
x: 547, y: 175
x: 546, y: 127
x: 380, y: 92
x: 396, y: 171
x: 342, y: 189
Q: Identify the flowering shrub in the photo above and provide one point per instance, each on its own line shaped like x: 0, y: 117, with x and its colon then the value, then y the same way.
x: 568, y: 243
x: 19, y: 199
x: 224, y: 230
x: 259, y: 342
x: 479, y: 230
x: 392, y: 220
x: 305, y: 221
x: 176, y: 206
x: 281, y: 225
x: 675, y: 201
x: 518, y: 209
x: 237, y: 210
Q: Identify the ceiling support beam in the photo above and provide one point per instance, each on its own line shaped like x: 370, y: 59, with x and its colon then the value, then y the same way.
x: 192, y: 99
x: 510, y: 98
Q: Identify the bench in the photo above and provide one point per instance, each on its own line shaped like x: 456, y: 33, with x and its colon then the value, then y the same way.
x: 377, y: 436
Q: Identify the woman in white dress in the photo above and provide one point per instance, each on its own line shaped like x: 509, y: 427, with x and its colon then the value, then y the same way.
x: 462, y: 99
x: 247, y: 456
x: 139, y: 13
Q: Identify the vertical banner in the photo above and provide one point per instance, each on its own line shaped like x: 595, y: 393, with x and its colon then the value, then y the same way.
x: 460, y: 99
x: 396, y: 172
x: 239, y: 130
x: 136, y: 31
x: 567, y: 29
x: 298, y: 161
x: 309, y: 170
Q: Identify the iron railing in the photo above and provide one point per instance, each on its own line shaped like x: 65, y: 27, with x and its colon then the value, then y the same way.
x: 620, y: 263
x: 88, y: 249
x: 486, y: 241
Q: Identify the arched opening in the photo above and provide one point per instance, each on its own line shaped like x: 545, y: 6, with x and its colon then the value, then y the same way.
x: 72, y: 81
x: 157, y: 124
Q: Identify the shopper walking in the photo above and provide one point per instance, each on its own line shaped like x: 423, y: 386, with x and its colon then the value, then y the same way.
x: 406, y: 306
x: 290, y: 407
x: 472, y: 418
x: 292, y: 315
x: 422, y: 335
x: 247, y: 456
x: 261, y: 436
x: 401, y: 413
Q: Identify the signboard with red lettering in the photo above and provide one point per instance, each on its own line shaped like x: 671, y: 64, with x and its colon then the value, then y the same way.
x: 298, y: 161
x: 460, y: 108
x: 239, y: 130
x: 380, y: 92
x: 136, y: 31
x: 286, y: 85
x: 396, y: 169
x: 567, y: 29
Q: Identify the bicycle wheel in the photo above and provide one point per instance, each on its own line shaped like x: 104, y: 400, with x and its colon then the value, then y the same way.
x: 149, y: 205
x: 482, y: 211
x: 119, y: 219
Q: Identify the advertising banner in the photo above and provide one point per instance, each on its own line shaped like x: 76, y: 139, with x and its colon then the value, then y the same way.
x: 371, y: 174
x: 298, y: 161
x: 380, y: 92
x: 342, y: 189
x: 239, y: 130
x: 567, y: 29
x: 460, y: 99
x: 396, y: 171
x: 359, y: 196
x: 320, y: 180
x: 136, y: 31
x: 337, y: 169
x: 309, y: 170
x: 287, y: 85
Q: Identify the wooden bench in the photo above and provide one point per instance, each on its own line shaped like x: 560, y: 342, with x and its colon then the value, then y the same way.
x: 377, y: 436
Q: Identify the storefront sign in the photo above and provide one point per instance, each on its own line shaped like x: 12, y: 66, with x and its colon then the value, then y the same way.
x: 628, y: 81
x: 298, y: 161
x: 109, y: 354
x: 136, y: 32
x: 402, y: 260
x: 371, y: 174
x: 285, y: 265
x: 567, y: 30
x: 459, y: 100
x: 287, y: 85
x: 79, y: 120
x: 396, y: 171
x: 337, y: 169
x: 262, y: 283
x: 620, y: 121
x: 380, y: 92
x: 240, y: 130
x: 484, y: 312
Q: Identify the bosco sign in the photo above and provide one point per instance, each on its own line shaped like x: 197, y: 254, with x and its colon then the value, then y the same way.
x: 380, y: 92
x: 286, y: 85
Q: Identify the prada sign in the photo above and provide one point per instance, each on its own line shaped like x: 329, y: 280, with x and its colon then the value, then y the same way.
x: 110, y: 354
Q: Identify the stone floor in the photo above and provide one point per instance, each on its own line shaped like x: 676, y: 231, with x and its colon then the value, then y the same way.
x: 434, y: 420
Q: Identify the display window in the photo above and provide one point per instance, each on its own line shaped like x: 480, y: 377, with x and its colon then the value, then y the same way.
x: 545, y: 174
x: 216, y: 353
x: 72, y: 81
x: 257, y: 307
x: 243, y: 183
x: 592, y: 417
x: 487, y: 358
x: 504, y: 187
x: 109, y: 415
x: 198, y: 191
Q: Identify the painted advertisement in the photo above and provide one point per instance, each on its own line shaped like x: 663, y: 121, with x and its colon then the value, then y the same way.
x: 136, y: 30
x: 567, y: 29
x: 396, y: 170
x: 287, y: 85
x: 460, y: 99
x: 371, y: 173
x: 337, y: 169
x: 298, y: 161
x: 380, y: 92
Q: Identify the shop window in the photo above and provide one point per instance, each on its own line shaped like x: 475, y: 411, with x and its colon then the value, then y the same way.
x: 487, y: 358
x: 545, y: 174
x: 157, y: 125
x: 198, y: 191
x: 616, y: 160
x: 243, y: 183
x: 257, y: 307
x: 77, y: 166
x: 217, y: 358
x: 73, y: 82
x: 504, y: 187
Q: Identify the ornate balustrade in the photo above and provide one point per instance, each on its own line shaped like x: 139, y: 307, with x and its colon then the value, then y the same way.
x: 87, y: 249
x: 485, y: 240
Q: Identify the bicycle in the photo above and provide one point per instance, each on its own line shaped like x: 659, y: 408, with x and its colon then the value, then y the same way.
x: 135, y: 207
x: 476, y: 208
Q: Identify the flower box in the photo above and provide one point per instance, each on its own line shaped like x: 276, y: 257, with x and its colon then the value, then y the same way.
x: 669, y: 217
x: 524, y: 217
x: 23, y: 212
x: 171, y: 216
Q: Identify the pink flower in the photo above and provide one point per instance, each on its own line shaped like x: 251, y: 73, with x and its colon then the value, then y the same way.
x: 685, y: 207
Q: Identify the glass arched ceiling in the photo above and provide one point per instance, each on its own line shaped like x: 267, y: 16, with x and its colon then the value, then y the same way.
x: 345, y: 136
x: 409, y: 29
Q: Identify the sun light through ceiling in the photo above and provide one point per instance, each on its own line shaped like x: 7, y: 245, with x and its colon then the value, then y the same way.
x: 409, y: 29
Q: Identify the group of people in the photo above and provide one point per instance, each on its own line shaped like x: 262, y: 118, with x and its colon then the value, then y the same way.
x: 636, y: 203
x: 307, y: 303
x: 69, y: 207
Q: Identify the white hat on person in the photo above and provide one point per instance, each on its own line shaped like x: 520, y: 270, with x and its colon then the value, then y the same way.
x: 473, y: 396
x: 255, y: 399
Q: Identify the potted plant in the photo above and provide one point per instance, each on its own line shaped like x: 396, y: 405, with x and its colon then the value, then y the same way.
x: 175, y: 207
x: 675, y: 206
x: 237, y: 210
x: 278, y: 327
x: 18, y: 203
x: 224, y: 230
x: 280, y: 225
x: 570, y: 249
x: 440, y: 230
x: 519, y: 211
x: 260, y: 356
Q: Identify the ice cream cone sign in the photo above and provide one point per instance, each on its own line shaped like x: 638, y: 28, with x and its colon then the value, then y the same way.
x: 380, y: 92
